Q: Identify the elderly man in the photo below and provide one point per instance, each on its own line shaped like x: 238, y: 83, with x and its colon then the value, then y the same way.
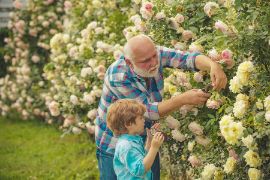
x: 139, y: 75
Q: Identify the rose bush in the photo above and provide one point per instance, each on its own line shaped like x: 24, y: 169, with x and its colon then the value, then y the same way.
x: 31, y: 28
x: 228, y: 138
x: 230, y: 33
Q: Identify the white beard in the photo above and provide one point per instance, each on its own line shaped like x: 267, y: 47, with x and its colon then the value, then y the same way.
x: 144, y: 73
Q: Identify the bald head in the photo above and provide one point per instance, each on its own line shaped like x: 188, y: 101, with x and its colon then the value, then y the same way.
x: 138, y: 47
x: 141, y: 55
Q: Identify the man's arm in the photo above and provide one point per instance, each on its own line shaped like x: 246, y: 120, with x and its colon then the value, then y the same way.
x: 218, y: 77
x: 193, y: 61
x: 191, y: 97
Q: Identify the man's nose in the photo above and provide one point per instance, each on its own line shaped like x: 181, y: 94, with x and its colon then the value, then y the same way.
x: 153, y: 62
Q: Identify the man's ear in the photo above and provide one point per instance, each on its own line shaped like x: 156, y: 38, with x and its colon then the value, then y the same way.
x: 128, y: 61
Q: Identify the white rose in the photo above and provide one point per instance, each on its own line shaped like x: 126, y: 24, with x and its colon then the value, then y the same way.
x: 267, y: 116
x: 229, y: 166
x: 86, y: 71
x: 88, y: 98
x: 178, y: 136
x: 92, y: 114
x: 208, y: 171
x: 267, y: 103
x: 74, y: 99
x: 235, y: 85
x: 76, y: 130
x: 248, y: 141
x: 160, y: 15
x: 254, y: 174
x: 191, y: 145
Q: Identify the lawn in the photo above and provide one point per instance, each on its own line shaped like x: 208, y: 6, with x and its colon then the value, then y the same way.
x: 33, y: 150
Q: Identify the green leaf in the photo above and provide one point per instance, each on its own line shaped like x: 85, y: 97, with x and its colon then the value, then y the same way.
x: 211, y: 116
x: 259, y: 117
x: 228, y: 109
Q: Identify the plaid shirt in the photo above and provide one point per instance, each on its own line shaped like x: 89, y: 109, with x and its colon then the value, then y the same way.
x: 122, y: 82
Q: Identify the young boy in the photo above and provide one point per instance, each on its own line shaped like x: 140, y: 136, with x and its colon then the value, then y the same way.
x: 131, y: 159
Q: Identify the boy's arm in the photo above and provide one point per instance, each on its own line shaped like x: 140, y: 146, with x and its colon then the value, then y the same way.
x: 150, y: 157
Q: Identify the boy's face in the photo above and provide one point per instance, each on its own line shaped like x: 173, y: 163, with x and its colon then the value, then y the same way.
x: 138, y: 127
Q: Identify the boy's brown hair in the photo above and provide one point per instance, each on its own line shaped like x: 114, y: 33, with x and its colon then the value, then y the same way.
x: 123, y: 112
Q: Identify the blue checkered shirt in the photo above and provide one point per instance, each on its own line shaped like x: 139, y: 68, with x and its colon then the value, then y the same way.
x: 122, y: 82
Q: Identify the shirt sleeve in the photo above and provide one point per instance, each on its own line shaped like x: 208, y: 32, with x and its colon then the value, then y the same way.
x: 125, y: 89
x: 133, y: 160
x: 177, y: 59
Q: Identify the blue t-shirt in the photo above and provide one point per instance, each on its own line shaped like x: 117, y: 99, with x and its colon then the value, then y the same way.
x: 128, y: 158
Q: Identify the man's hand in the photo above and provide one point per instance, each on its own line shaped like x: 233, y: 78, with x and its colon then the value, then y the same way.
x: 191, y: 97
x: 195, y: 97
x: 218, y: 77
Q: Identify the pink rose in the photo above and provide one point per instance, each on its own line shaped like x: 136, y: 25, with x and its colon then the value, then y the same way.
x: 90, y: 128
x: 198, y: 77
x: 172, y: 122
x: 226, y: 54
x: 146, y: 10
x: 148, y: 6
x: 69, y: 121
x: 33, y: 32
x: 213, y: 104
x: 100, y: 69
x: 194, y: 161
x: 67, y: 5
x: 219, y: 25
x: 229, y: 63
x: 35, y: 58
x: 50, y: 1
x: 179, y: 18
x: 195, y: 128
x: 17, y: 4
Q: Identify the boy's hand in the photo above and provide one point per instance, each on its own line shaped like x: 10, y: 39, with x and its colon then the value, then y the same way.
x: 157, y: 140
x: 155, y: 128
x: 149, y: 139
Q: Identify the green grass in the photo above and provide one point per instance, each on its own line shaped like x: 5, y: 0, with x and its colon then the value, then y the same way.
x: 34, y: 150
